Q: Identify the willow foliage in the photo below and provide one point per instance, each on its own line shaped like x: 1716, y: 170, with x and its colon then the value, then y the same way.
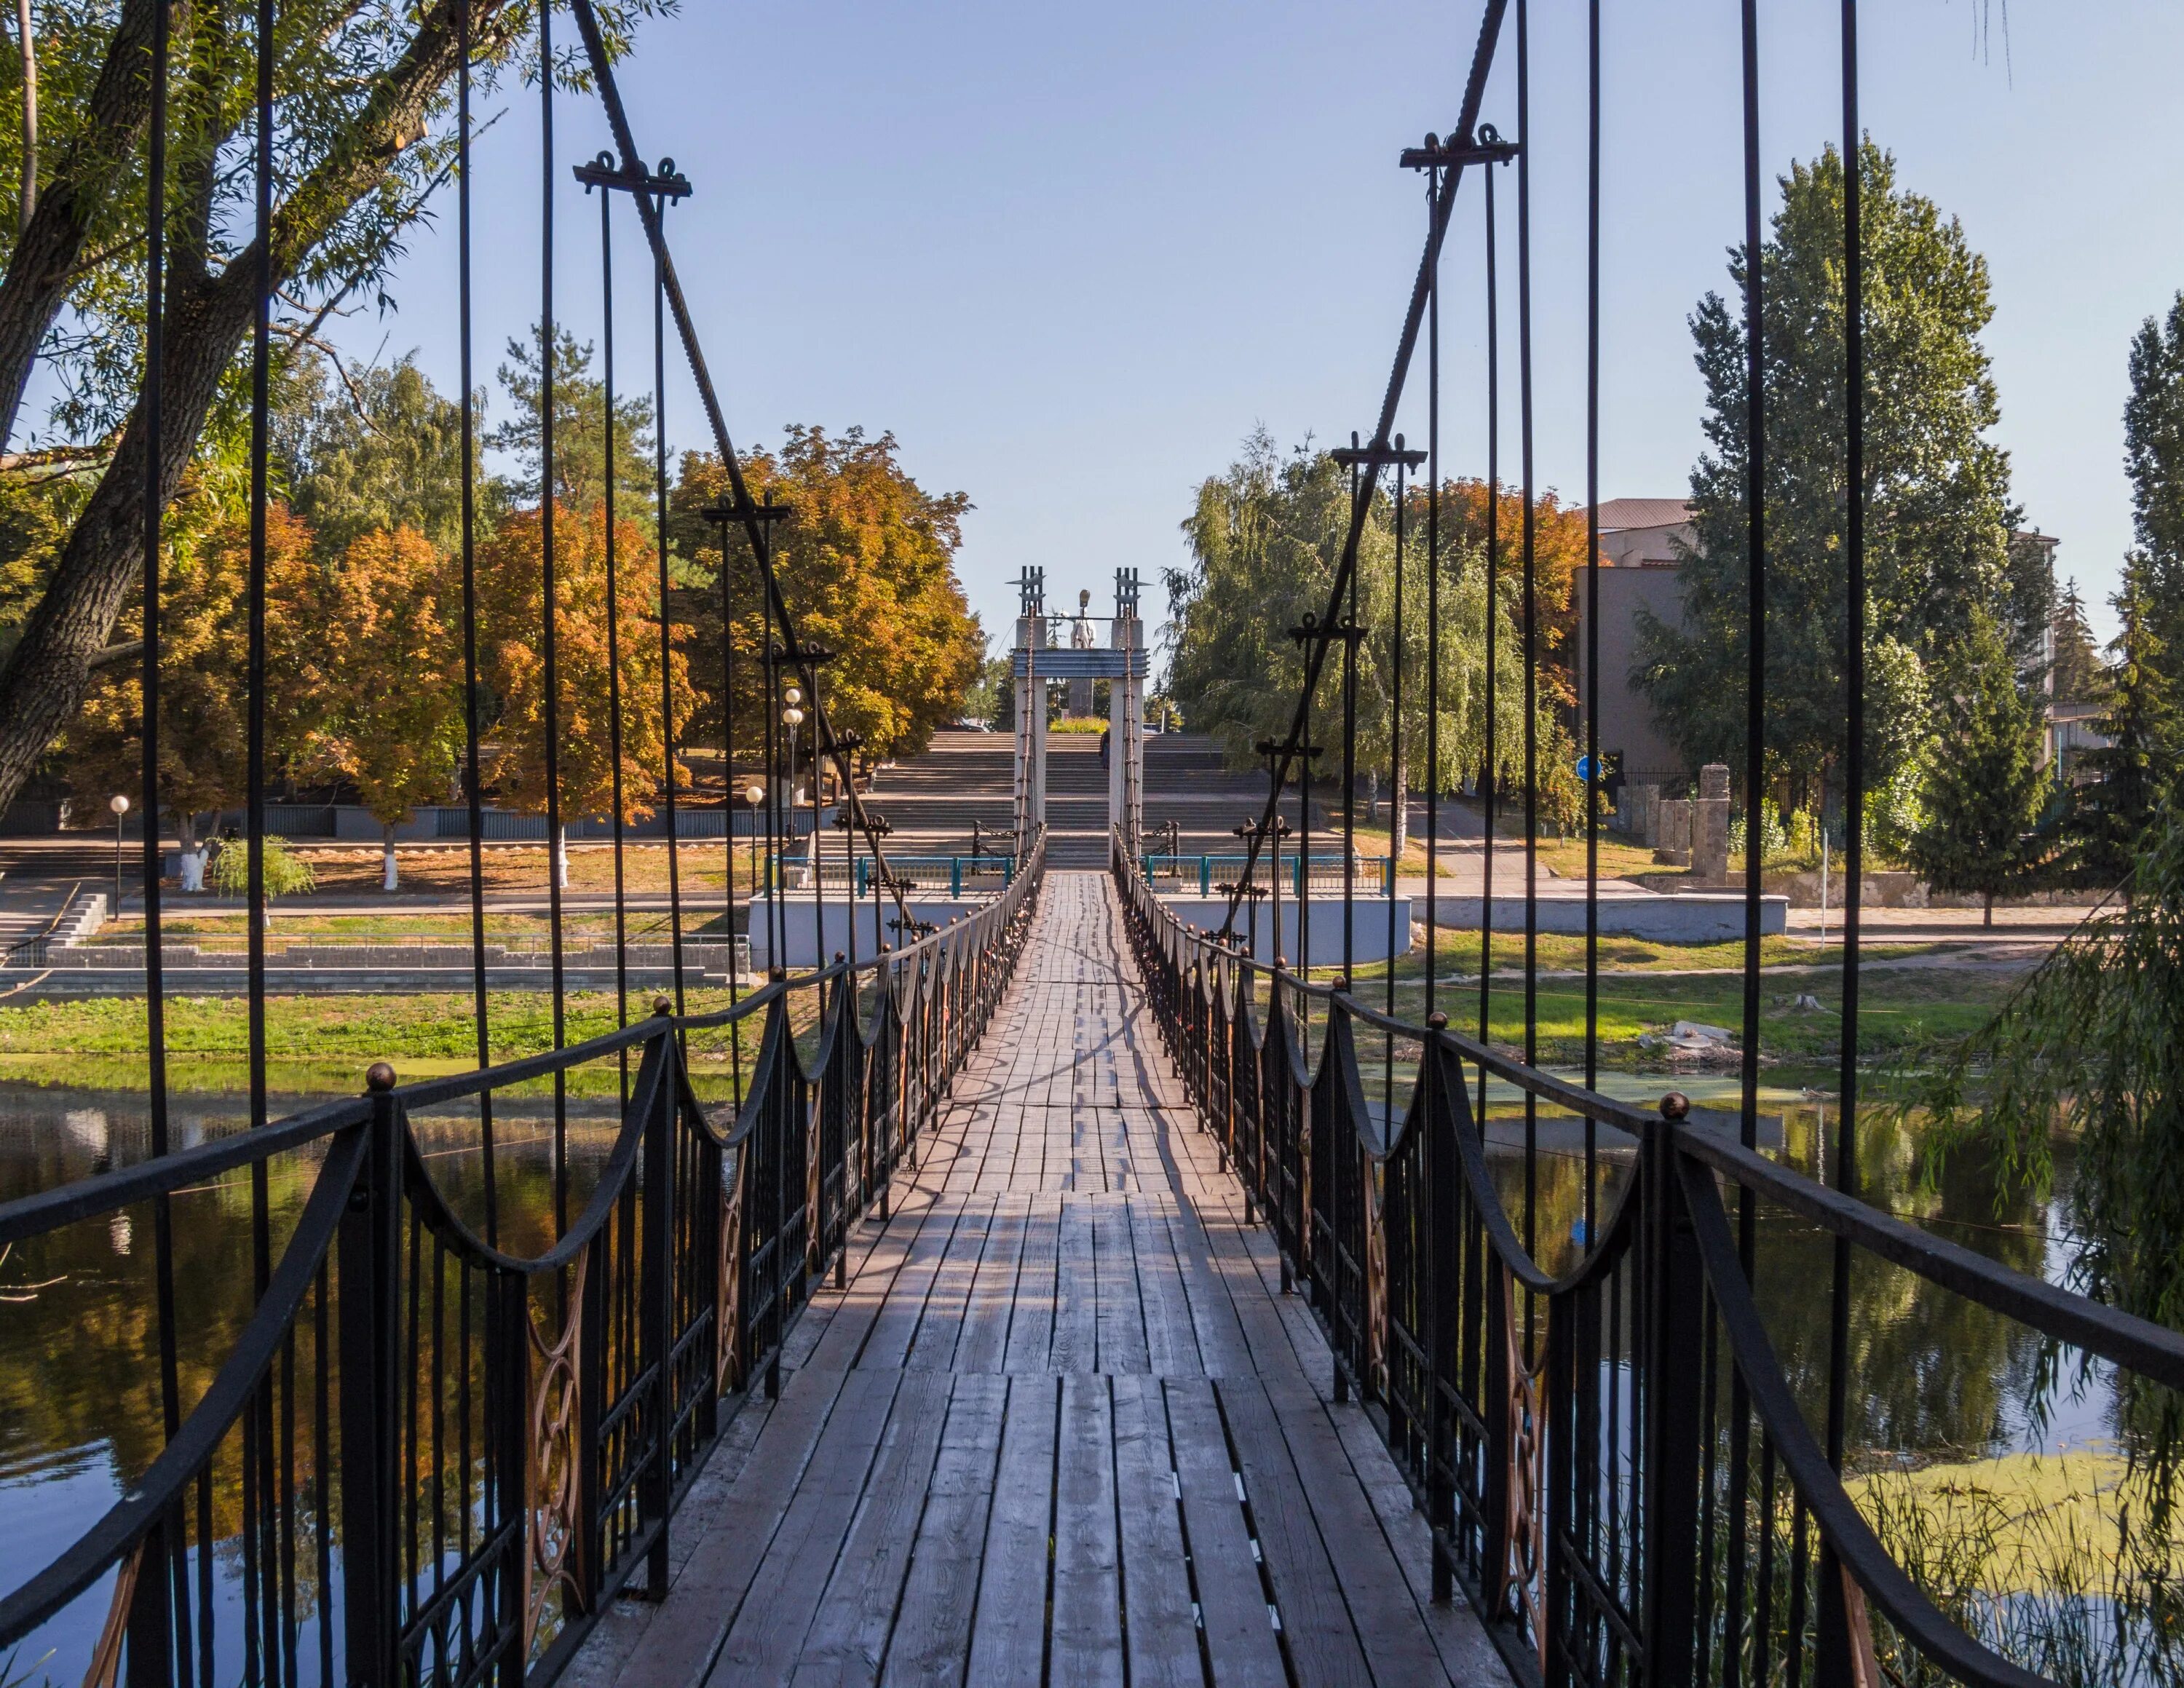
x: 2089, y: 1046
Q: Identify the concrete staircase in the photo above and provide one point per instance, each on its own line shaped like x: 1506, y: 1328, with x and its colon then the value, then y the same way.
x: 931, y: 799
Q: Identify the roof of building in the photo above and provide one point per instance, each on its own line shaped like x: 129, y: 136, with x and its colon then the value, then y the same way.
x: 1617, y: 513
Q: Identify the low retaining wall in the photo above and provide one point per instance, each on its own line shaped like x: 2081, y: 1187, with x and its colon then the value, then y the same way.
x: 1370, y: 931
x: 1693, y: 917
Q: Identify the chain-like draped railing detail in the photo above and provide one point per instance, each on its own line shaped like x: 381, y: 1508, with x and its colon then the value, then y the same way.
x: 480, y: 1449
x: 1567, y: 1437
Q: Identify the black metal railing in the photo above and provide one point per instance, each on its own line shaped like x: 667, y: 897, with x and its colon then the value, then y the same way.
x: 428, y: 1457
x: 1616, y: 1467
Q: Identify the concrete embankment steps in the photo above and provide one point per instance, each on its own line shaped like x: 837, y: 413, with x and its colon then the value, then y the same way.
x: 931, y: 798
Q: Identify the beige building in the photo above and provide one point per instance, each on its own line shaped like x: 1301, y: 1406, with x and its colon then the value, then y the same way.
x: 1642, y: 543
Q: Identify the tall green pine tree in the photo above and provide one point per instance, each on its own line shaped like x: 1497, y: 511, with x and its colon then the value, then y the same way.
x: 2135, y: 772
x: 1985, y: 787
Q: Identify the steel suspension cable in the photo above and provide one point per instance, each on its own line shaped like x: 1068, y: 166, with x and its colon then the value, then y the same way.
x: 1592, y: 603
x: 1316, y: 647
x: 1531, y: 599
x: 1350, y: 770
x: 1755, y: 682
x: 556, y: 847
x: 667, y: 670
x: 260, y: 1644
x: 614, y: 618
x: 1755, y: 447
x: 1490, y: 777
x: 1398, y: 793
x: 1433, y: 604
x: 1833, y: 1632
x: 746, y: 509
x: 729, y: 780
x: 155, y: 259
x: 473, y: 781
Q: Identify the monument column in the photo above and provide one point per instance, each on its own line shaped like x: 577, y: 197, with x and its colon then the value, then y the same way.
x: 1028, y: 787
x: 1126, y: 718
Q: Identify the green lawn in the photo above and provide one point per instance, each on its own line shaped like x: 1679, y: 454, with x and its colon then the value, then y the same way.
x: 316, y: 1044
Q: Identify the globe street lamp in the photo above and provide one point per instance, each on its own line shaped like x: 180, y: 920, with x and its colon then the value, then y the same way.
x: 119, y: 806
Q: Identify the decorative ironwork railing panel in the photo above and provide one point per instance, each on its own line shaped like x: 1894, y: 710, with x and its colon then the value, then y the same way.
x: 429, y: 1458
x: 1615, y: 1468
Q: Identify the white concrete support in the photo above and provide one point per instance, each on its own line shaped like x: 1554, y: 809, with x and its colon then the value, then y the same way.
x: 1126, y: 739
x: 1029, y: 790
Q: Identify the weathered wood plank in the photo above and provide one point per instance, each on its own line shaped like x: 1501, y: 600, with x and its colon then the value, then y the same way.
x: 1163, y: 1631
x: 932, y: 1632
x: 1031, y: 1326
x: 1122, y: 1319
x: 769, y: 1631
x: 982, y: 1342
x: 848, y: 1634
x: 1240, y: 1631
x: 1008, y: 1641
x: 1076, y: 1343
x: 1315, y: 1618
x: 1087, y: 1551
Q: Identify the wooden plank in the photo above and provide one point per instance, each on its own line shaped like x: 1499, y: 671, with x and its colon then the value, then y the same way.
x: 1087, y: 1622
x: 982, y: 1342
x: 896, y: 1327
x: 849, y: 1636
x: 1076, y: 1343
x: 1122, y: 1320
x: 1030, y: 1324
x: 1163, y: 1630
x: 1239, y: 1627
x: 1008, y: 1641
x: 1171, y: 1339
x: 763, y: 1642
x: 933, y: 1349
x: 1221, y: 1346
x: 931, y: 1634
x: 1323, y: 1639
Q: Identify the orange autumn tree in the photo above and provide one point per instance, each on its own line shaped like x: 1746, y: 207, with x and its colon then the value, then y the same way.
x: 511, y: 570
x: 394, y: 676
x: 204, y: 676
x: 1558, y: 552
x: 867, y: 561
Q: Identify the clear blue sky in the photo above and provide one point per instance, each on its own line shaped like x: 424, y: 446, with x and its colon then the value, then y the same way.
x: 1072, y: 255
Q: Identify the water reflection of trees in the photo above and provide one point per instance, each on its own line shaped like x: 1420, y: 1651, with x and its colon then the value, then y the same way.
x: 79, y: 1360
x: 1931, y: 1373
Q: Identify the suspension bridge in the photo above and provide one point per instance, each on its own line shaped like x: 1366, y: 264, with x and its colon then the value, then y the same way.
x: 1067, y: 1286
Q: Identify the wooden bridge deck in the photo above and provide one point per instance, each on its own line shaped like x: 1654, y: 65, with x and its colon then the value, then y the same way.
x: 1061, y: 1426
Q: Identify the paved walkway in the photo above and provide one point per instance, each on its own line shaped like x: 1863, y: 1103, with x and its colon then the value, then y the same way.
x: 1061, y: 1427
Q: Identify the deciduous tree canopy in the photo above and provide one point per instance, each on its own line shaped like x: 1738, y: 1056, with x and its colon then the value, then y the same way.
x: 866, y: 560
x: 1936, y: 493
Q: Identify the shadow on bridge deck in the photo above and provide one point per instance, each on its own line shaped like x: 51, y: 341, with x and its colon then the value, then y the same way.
x: 1059, y: 1405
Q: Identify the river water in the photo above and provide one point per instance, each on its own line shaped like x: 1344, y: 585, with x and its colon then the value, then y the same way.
x: 1936, y: 1381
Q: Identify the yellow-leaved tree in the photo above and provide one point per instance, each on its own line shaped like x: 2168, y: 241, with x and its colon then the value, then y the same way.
x: 204, y: 695
x: 867, y: 563
x: 511, y: 613
x: 394, y: 726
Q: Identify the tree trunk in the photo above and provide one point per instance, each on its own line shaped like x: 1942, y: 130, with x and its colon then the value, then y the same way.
x: 391, y: 879
x: 1988, y: 918
x: 561, y: 857
x: 42, y: 268
x: 186, y: 845
x: 29, y: 44
x: 1398, y: 803
x: 43, y: 680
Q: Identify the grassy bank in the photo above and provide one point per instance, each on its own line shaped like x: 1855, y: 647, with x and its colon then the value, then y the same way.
x: 316, y: 1044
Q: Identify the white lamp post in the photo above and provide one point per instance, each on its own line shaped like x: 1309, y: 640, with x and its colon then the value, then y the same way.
x: 119, y: 806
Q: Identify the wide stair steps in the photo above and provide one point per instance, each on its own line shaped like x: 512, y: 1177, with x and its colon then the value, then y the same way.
x: 932, y: 799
